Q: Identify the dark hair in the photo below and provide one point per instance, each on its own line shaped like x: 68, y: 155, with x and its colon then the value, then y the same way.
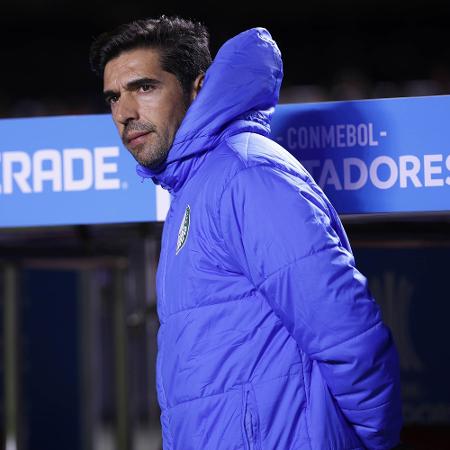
x: 184, y: 46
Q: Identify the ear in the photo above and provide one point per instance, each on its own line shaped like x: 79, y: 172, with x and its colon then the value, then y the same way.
x: 197, y: 85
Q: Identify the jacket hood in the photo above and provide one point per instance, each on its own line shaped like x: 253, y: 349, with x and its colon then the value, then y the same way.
x: 239, y: 93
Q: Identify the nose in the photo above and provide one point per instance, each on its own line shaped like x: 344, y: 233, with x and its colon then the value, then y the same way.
x: 126, y: 109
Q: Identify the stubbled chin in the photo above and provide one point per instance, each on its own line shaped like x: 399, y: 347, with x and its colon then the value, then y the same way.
x: 148, y: 160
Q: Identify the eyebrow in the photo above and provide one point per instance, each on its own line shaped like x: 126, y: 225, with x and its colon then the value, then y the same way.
x: 132, y: 85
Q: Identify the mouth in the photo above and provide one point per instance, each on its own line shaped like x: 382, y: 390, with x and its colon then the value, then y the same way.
x: 136, y: 139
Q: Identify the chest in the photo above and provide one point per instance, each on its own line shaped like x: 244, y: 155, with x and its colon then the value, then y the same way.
x: 195, y: 269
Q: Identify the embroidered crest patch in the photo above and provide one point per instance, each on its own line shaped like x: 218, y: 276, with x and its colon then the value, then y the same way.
x: 184, y: 229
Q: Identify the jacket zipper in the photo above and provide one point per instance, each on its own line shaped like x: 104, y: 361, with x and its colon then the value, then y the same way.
x: 163, y: 293
x: 166, y: 251
x: 166, y: 257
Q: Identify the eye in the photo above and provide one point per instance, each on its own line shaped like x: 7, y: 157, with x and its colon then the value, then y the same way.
x: 111, y: 100
x: 146, y: 87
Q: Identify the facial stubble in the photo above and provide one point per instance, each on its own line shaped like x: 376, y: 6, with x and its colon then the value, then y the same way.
x: 153, y: 152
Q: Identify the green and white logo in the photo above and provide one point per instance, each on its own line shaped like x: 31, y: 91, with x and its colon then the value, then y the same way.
x: 184, y: 229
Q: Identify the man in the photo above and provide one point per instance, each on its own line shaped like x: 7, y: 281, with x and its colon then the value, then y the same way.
x: 269, y: 337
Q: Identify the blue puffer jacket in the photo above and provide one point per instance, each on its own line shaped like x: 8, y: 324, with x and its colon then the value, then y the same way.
x: 269, y: 338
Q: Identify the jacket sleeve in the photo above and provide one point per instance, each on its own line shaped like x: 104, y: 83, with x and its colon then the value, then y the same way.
x: 277, y: 229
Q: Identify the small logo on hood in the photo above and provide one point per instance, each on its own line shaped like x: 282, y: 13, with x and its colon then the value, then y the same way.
x: 184, y: 229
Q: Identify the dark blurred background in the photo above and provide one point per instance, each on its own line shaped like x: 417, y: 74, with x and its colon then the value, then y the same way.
x: 77, y: 303
x: 333, y: 50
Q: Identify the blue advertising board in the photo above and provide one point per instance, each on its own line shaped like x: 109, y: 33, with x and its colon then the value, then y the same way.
x: 370, y: 156
x: 69, y: 170
x: 373, y: 156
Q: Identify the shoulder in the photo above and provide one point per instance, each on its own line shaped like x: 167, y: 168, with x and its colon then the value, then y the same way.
x: 244, y: 154
x: 263, y: 169
x: 248, y: 167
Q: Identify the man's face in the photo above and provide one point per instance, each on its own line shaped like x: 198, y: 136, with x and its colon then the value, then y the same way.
x: 147, y: 104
